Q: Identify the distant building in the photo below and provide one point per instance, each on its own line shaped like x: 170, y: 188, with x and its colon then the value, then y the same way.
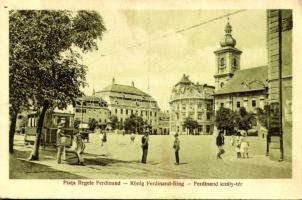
x: 164, y: 123
x: 237, y: 88
x: 124, y: 100
x: 92, y: 107
x: 279, y: 48
x: 191, y: 100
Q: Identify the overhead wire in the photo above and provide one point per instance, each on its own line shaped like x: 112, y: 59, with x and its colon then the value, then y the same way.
x: 170, y: 34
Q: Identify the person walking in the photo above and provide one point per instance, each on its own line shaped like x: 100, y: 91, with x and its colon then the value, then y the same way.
x: 145, y: 144
x: 238, y: 144
x: 61, y: 141
x: 132, y: 137
x: 244, y: 147
x: 176, y: 147
x: 220, y: 144
x: 104, y: 139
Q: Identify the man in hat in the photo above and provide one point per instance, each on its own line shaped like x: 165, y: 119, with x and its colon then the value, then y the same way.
x: 176, y: 147
x: 145, y: 140
x: 60, y: 135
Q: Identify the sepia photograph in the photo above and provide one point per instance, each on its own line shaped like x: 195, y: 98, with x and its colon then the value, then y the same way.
x: 150, y: 97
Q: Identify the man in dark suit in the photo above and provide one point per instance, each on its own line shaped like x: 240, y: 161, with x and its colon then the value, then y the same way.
x: 145, y: 140
x: 219, y: 144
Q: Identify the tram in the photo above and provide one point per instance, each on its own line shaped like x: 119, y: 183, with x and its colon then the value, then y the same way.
x: 50, y: 126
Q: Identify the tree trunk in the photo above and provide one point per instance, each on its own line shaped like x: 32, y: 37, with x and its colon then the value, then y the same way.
x: 35, y: 152
x: 12, y: 129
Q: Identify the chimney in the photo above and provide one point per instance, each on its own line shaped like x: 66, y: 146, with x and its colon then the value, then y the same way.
x: 132, y: 83
x: 113, y: 80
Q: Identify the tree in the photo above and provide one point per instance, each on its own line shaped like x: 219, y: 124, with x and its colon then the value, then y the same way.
x: 92, y: 124
x: 44, y: 51
x: 245, y: 119
x: 113, y: 122
x: 76, y: 123
x: 262, y: 116
x: 190, y: 124
x: 134, y: 124
x: 226, y: 119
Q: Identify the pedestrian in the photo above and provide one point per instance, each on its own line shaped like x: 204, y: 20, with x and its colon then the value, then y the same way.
x: 61, y: 142
x: 238, y: 144
x: 176, y: 147
x: 104, y: 139
x: 145, y: 140
x: 78, y: 147
x: 132, y: 137
x: 220, y: 144
x: 244, y: 147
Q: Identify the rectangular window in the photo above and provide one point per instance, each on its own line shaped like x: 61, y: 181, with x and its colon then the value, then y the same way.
x: 126, y: 111
x: 208, y: 116
x: 150, y: 113
x: 154, y: 114
x: 238, y: 104
x: 121, y: 111
x: 115, y: 111
x: 221, y: 104
x: 253, y: 103
x: 199, y: 116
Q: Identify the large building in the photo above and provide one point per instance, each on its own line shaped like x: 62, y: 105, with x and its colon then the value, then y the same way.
x: 124, y: 100
x: 236, y: 87
x: 279, y: 48
x: 164, y: 123
x: 191, y: 100
x: 92, y: 107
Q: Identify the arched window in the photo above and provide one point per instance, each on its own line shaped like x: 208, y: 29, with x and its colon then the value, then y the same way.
x: 221, y: 84
x: 221, y: 62
x: 235, y: 63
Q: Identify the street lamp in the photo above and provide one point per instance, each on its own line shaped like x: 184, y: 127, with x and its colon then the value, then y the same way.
x: 265, y: 86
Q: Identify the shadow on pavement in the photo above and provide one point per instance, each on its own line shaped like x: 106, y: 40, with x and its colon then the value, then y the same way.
x: 23, y: 169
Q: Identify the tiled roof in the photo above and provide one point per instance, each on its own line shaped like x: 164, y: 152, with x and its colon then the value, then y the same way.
x: 256, y: 76
x: 124, y: 89
x: 91, y: 98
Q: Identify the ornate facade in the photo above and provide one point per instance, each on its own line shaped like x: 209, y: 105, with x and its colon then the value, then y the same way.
x: 191, y: 100
x: 237, y: 88
x: 92, y: 107
x: 124, y: 100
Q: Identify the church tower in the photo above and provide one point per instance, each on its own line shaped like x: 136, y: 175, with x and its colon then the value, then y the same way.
x: 227, y: 58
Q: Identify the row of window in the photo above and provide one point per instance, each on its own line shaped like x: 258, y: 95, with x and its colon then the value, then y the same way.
x: 78, y: 110
x: 238, y: 104
x: 199, y: 106
x: 131, y: 112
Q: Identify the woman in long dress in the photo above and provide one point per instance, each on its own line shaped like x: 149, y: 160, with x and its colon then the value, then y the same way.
x: 238, y: 144
x: 244, y: 147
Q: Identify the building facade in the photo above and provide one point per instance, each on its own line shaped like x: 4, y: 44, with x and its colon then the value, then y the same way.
x: 124, y: 100
x: 279, y: 48
x: 195, y: 101
x: 236, y: 87
x: 91, y: 107
x: 164, y: 123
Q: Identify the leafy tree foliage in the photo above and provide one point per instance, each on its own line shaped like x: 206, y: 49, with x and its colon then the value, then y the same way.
x: 190, y: 124
x: 245, y: 119
x: 113, y: 120
x: 76, y: 123
x: 92, y: 124
x: 134, y: 124
x: 44, y: 58
x: 226, y: 119
x: 262, y: 116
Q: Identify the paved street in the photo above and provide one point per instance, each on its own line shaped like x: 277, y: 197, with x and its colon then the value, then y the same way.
x: 118, y: 158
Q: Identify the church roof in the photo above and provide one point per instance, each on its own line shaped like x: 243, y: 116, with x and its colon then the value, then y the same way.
x: 125, y: 89
x: 245, y: 80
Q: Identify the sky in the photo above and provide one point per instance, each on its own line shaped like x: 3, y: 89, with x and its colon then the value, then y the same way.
x: 162, y: 62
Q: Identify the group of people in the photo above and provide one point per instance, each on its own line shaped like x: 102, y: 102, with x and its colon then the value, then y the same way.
x: 239, y: 141
x: 145, y: 145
